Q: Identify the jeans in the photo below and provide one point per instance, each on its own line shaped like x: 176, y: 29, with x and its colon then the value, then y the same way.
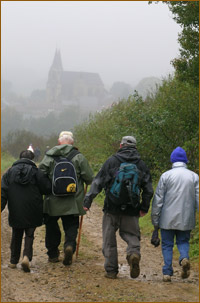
x: 182, y: 242
x: 53, y: 234
x: 16, y: 243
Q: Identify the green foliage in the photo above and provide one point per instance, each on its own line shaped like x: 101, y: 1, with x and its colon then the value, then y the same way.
x: 6, y: 161
x: 146, y: 225
x: 172, y: 120
x: 186, y: 13
x: 167, y: 120
x: 194, y: 241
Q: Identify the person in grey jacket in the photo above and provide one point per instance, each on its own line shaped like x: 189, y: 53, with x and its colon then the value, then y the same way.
x: 68, y: 208
x: 173, y: 211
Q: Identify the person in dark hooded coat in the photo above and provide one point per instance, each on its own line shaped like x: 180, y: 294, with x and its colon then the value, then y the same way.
x: 22, y: 187
x: 123, y: 216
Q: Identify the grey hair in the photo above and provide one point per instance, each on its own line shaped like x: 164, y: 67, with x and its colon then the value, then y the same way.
x: 66, y: 138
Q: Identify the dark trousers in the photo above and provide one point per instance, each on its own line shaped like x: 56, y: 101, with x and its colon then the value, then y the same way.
x: 16, y: 243
x: 70, y: 225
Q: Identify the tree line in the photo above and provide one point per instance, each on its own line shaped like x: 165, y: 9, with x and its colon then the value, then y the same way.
x: 160, y: 124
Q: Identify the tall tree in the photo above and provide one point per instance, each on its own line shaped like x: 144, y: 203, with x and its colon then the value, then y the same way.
x: 186, y: 13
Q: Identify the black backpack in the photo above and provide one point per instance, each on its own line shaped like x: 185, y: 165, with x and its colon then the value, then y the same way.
x: 64, y: 180
x: 125, y: 189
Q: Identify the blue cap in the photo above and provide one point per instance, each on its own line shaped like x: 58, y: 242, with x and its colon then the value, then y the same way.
x: 178, y: 155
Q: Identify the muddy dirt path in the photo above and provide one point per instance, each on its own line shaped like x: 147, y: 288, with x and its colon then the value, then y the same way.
x: 84, y: 280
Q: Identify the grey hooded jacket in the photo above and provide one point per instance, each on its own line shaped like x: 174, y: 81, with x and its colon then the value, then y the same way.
x: 176, y: 199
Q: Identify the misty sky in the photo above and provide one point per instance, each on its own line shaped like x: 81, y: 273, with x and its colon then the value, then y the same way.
x: 120, y: 40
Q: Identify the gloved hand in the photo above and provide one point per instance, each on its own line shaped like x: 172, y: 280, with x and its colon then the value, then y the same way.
x: 155, y: 238
x: 86, y: 203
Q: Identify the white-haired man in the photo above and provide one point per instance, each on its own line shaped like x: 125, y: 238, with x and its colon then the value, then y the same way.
x: 68, y: 208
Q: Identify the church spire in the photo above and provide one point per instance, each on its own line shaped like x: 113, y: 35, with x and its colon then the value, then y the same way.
x: 57, y: 62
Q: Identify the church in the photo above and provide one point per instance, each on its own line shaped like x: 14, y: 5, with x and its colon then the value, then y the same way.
x: 63, y: 89
x: 66, y: 88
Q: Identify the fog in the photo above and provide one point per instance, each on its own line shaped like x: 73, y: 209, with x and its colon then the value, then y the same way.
x: 120, y: 40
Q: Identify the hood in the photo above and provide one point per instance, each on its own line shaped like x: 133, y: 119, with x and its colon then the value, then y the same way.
x: 128, y: 153
x: 59, y: 150
x: 179, y: 164
x: 23, y: 172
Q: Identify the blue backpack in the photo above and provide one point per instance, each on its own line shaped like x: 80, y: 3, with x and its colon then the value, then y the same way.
x: 125, y: 190
x: 64, y: 180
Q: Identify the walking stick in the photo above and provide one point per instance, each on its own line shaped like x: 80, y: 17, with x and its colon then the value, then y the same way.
x: 80, y: 228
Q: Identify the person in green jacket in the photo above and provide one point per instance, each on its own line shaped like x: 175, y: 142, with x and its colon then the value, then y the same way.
x: 68, y: 208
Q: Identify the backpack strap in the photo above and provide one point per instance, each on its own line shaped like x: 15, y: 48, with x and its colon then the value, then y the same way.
x: 119, y: 158
x: 56, y: 158
x: 70, y: 156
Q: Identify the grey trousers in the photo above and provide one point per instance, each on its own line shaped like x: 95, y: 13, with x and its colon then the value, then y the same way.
x: 129, y: 231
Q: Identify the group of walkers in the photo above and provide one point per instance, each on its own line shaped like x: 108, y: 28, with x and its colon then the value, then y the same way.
x: 127, y: 183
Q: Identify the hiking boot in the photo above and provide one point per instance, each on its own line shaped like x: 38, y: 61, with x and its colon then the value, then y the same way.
x: 68, y: 254
x: 111, y: 275
x: 133, y: 261
x: 25, y: 264
x: 53, y: 260
x: 166, y: 278
x: 11, y: 265
x: 185, y: 263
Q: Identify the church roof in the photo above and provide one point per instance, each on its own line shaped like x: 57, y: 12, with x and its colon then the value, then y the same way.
x: 69, y: 77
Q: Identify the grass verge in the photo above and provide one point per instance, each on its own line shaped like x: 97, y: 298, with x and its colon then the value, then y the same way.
x: 6, y: 161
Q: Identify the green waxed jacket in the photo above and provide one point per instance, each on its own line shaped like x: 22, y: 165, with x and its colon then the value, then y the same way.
x: 59, y: 206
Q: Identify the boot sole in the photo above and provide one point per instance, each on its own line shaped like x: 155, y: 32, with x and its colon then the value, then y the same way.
x: 68, y: 256
x: 25, y: 267
x: 53, y: 260
x: 167, y: 279
x: 12, y: 265
x: 134, y: 267
x: 185, y: 270
x: 110, y: 276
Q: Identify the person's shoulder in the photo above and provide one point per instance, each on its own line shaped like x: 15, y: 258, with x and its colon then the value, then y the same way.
x: 142, y: 165
x: 79, y: 157
x: 166, y: 175
x: 77, y: 153
x: 41, y: 173
x: 110, y: 163
x: 111, y: 159
x: 193, y: 173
